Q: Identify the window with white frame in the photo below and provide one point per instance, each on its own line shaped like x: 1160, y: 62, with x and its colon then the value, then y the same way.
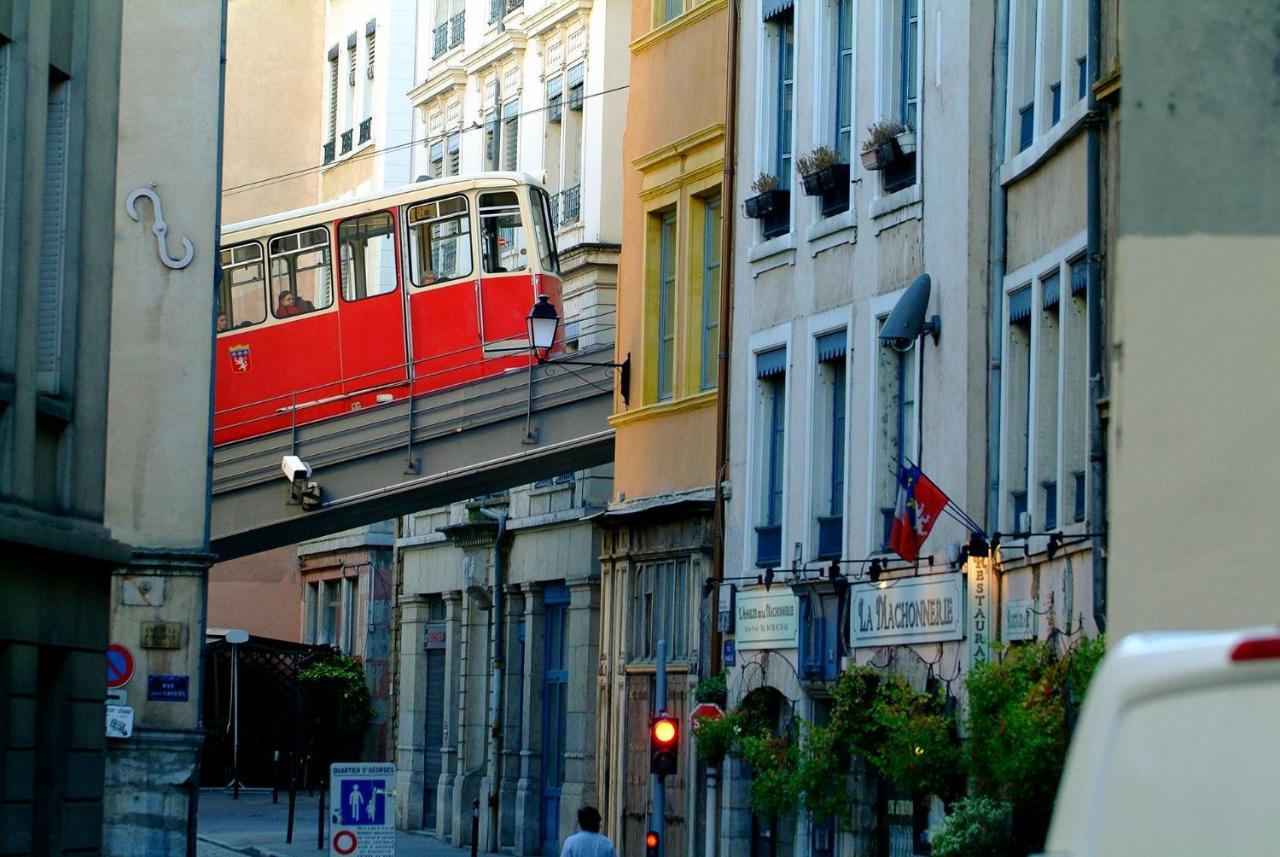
x: 366, y: 100
x: 492, y: 128
x: 899, y: 75
x: 1045, y: 396
x: 510, y: 134
x: 779, y: 35
x: 771, y: 433
x: 666, y: 303
x: 1047, y: 69
x: 839, y: 130
x: 894, y: 433
x: 331, y: 126
x: 553, y: 133
x: 830, y: 428
x: 453, y: 153
x: 349, y: 99
x: 711, y: 225
x: 659, y: 609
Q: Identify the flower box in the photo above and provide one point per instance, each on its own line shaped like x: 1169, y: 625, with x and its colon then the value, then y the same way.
x: 762, y: 205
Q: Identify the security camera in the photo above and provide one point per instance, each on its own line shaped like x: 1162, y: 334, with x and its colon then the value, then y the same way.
x: 295, y: 469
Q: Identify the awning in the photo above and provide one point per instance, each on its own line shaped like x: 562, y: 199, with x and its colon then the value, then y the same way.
x: 1020, y: 304
x: 771, y: 362
x: 831, y: 346
x: 774, y: 8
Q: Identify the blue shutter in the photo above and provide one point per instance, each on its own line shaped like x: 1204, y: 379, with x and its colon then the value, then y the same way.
x: 1020, y: 304
x: 771, y: 362
x: 1050, y: 289
x: 1079, y: 276
x: 773, y: 8
x: 831, y: 346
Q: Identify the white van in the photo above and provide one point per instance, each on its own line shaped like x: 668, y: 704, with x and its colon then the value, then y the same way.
x: 1177, y: 751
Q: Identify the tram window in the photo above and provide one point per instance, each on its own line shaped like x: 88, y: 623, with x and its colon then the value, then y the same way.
x: 300, y: 267
x: 367, y: 249
x: 502, y: 240
x: 546, y: 241
x: 242, y: 296
x: 439, y: 241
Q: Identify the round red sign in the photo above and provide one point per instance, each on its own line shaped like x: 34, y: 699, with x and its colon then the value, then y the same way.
x: 344, y: 842
x: 119, y: 666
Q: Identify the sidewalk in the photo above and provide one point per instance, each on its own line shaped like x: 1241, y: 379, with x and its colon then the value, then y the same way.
x: 254, y: 826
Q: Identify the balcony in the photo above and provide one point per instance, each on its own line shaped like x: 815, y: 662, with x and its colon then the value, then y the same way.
x: 769, y: 546
x: 366, y: 130
x: 439, y: 41
x: 555, y: 210
x: 571, y: 205
x: 328, y: 151
x: 457, y: 27
x: 496, y: 8
x: 346, y: 142
x: 830, y: 536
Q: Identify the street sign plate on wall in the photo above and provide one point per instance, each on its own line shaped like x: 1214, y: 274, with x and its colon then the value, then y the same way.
x: 362, y: 809
x: 168, y: 688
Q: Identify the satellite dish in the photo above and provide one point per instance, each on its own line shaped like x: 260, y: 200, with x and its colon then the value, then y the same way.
x: 907, y: 321
x: 237, y: 635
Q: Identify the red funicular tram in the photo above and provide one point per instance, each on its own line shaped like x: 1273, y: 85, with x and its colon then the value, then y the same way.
x: 348, y: 305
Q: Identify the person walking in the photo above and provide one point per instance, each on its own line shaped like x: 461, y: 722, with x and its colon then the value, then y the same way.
x: 589, y: 841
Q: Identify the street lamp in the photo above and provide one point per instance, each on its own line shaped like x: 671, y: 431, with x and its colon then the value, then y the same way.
x: 543, y: 321
x: 235, y: 636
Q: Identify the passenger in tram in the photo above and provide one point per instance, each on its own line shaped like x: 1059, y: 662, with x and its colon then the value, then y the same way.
x: 223, y: 323
x: 288, y: 305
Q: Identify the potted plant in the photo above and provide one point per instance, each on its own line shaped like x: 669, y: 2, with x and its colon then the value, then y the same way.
x: 906, y: 140
x: 766, y: 187
x: 821, y: 170
x: 880, y: 147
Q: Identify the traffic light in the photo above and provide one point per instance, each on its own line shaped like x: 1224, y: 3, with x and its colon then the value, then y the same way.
x: 664, y: 743
x: 651, y: 844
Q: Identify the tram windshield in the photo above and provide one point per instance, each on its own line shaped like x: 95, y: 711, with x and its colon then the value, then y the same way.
x: 439, y: 241
x: 541, y: 228
x: 502, y: 236
x: 242, y: 296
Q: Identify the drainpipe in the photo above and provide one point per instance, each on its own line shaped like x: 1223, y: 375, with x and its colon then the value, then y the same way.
x: 1093, y: 299
x: 495, y: 687
x: 996, y: 264
x: 727, y: 208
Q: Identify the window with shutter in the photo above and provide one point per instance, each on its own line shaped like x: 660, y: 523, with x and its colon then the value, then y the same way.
x: 333, y: 94
x: 370, y: 34
x: 53, y: 247
x: 510, y: 133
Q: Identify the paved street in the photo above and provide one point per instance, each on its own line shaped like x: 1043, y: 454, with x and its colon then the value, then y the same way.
x: 253, y: 825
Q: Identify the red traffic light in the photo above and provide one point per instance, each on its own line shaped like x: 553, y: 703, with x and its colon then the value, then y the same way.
x: 664, y: 730
x: 664, y: 744
x: 651, y: 844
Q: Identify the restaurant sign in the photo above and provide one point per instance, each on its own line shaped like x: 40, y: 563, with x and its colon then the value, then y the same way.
x: 766, y: 620
x: 909, y: 610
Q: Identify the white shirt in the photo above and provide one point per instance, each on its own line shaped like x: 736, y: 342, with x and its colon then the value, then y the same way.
x: 584, y: 843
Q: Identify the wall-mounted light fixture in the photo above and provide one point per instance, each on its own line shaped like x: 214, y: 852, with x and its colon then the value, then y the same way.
x: 543, y: 321
x: 907, y: 322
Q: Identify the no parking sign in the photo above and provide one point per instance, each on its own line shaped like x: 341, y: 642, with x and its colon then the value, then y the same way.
x: 362, y: 809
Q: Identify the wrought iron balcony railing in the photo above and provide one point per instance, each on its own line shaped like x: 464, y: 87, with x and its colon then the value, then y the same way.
x: 439, y: 41
x: 457, y: 27
x: 328, y: 151
x: 571, y: 205
x: 366, y: 130
x: 346, y: 142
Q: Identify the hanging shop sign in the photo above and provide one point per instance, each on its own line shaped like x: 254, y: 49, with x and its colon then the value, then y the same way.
x: 909, y: 610
x: 766, y: 620
x: 1020, y: 621
x: 982, y: 610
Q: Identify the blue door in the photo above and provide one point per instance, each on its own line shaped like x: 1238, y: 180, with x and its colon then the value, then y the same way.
x: 555, y: 683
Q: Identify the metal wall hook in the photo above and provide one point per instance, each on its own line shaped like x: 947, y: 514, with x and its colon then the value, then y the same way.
x: 160, y: 228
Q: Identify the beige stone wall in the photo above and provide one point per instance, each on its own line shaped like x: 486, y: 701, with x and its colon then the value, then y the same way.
x: 272, y: 123
x: 259, y: 593
x: 1194, y: 449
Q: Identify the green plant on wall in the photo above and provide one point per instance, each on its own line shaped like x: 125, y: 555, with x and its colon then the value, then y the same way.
x: 717, y: 737
x: 713, y: 688
x: 339, y: 681
x: 918, y: 750
x: 773, y: 762
x: 821, y: 766
x: 1019, y: 708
